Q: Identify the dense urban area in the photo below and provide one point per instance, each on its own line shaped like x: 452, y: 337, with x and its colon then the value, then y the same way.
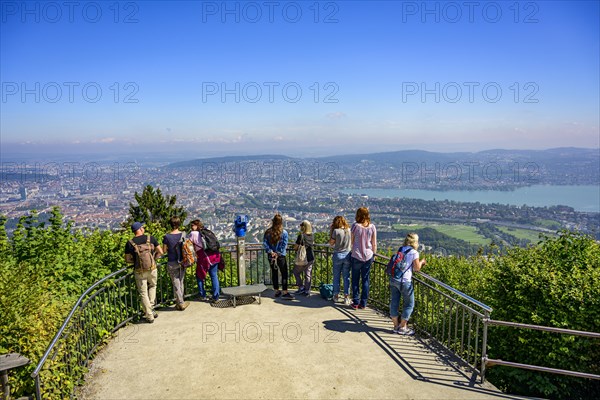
x: 98, y: 194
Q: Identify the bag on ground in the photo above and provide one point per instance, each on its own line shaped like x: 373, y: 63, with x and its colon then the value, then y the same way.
x: 326, y: 290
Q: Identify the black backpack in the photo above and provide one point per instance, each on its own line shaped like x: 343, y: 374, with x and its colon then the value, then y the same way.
x: 210, y: 241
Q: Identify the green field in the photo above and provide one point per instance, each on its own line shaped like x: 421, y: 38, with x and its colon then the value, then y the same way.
x: 519, y: 233
x: 463, y: 232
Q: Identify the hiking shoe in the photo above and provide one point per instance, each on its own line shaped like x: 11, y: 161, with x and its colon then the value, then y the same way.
x: 288, y: 296
x: 150, y: 321
x: 406, y: 331
x: 278, y: 293
x: 182, y: 306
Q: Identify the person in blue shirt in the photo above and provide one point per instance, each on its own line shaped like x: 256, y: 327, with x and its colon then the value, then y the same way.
x: 275, y: 242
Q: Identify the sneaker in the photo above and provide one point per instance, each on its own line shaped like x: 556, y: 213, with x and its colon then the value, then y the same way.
x: 182, y: 306
x: 154, y: 314
x: 361, y: 306
x: 150, y: 321
x: 396, y: 330
x: 305, y: 293
x: 347, y: 301
x: 299, y: 291
x: 354, y: 306
x: 336, y: 298
x: 278, y: 293
x: 287, y: 296
x: 406, y: 331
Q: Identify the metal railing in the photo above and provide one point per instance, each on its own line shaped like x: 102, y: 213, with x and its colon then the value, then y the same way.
x: 442, y: 314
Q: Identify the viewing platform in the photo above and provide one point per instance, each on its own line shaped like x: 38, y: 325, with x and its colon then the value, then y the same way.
x: 307, y: 348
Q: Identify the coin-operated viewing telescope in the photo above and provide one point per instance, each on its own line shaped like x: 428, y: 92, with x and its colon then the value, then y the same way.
x: 240, y: 225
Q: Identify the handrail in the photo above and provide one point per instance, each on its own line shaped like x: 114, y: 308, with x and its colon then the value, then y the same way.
x: 36, y: 372
x: 457, y: 292
x: 543, y: 328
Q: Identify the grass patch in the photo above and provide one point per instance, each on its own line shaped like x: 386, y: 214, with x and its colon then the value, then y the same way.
x: 519, y: 233
x: 463, y: 232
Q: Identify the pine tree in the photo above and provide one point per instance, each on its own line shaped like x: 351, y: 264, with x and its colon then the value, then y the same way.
x: 154, y: 208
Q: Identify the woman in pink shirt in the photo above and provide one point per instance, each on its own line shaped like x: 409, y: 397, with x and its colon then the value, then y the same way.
x: 364, y: 247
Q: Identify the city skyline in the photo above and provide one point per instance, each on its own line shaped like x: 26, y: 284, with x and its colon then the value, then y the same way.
x: 298, y: 78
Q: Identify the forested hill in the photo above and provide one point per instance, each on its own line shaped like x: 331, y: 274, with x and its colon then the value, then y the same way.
x: 561, y: 166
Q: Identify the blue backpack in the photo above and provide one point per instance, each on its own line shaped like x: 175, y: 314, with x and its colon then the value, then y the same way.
x: 326, y: 290
x: 398, y: 264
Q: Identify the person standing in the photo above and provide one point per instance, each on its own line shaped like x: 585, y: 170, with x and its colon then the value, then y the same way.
x: 207, y: 262
x: 305, y: 238
x: 364, y: 247
x: 172, y: 246
x: 402, y: 285
x: 340, y: 239
x: 275, y: 242
x: 142, y: 251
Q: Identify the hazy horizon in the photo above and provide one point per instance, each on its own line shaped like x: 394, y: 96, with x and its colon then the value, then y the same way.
x: 207, y: 79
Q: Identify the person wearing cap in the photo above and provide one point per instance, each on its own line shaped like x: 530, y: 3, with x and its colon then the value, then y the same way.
x: 145, y: 279
x: 306, y: 239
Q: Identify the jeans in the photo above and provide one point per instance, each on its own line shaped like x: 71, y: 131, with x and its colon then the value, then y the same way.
x: 360, y: 271
x: 214, y: 278
x: 341, y: 266
x: 406, y: 290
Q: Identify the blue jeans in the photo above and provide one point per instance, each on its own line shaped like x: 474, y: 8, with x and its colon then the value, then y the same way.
x: 360, y: 271
x: 341, y: 266
x: 214, y: 278
x: 407, y: 291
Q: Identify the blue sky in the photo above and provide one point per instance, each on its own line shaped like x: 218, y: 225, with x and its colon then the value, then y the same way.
x: 298, y: 78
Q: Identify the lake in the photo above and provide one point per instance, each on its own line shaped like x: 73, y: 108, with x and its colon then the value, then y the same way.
x: 581, y: 198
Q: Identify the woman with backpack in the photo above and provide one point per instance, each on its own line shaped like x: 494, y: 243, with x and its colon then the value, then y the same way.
x: 305, y: 238
x: 275, y: 242
x: 207, y: 263
x: 172, y: 246
x: 401, y: 284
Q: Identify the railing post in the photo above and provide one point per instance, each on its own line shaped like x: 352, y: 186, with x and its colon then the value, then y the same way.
x: 486, y: 318
x: 241, y: 261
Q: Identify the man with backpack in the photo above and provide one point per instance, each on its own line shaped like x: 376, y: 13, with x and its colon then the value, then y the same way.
x: 142, y: 251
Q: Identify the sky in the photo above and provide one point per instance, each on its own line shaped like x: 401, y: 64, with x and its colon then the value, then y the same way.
x: 208, y: 78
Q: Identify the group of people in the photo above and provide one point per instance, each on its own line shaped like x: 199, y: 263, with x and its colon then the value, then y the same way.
x: 354, y: 249
x: 143, y: 250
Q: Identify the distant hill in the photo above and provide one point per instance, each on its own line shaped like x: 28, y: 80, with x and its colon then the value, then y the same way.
x: 551, y: 159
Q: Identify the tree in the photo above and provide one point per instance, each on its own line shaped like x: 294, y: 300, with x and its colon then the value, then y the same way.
x: 154, y: 208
